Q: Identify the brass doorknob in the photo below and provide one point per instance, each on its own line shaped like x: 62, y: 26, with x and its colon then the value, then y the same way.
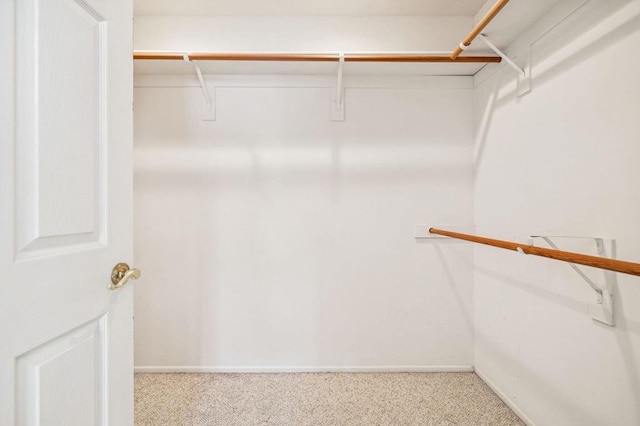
x: 120, y: 274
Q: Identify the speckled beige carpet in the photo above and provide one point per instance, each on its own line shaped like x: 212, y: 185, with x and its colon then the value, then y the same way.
x: 318, y: 399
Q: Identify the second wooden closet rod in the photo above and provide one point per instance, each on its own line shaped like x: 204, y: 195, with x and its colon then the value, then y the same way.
x: 566, y: 256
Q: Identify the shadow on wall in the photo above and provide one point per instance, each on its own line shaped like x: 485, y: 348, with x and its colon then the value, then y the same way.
x: 557, y: 299
x: 623, y: 323
x: 174, y: 300
x: 484, y: 126
x: 552, y: 62
x: 551, y: 397
x: 460, y: 258
x: 621, y: 332
x: 624, y: 329
x: 301, y: 166
x: 592, y: 36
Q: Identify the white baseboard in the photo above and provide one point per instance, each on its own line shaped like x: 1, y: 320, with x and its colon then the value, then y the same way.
x: 505, y: 398
x: 307, y: 369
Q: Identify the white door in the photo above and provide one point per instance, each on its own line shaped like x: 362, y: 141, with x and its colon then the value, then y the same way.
x: 65, y: 212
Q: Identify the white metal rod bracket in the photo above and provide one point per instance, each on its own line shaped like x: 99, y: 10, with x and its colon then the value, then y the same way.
x: 602, y: 308
x: 208, y: 106
x: 337, y: 107
x: 501, y: 54
x: 572, y: 265
x: 524, y: 75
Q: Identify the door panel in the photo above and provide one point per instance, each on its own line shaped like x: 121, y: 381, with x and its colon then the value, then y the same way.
x: 60, y: 125
x: 46, y: 397
x: 65, y: 212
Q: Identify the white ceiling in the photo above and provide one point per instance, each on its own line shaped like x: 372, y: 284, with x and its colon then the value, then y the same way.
x: 308, y: 7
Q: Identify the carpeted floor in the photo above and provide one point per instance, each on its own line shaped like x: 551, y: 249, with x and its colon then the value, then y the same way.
x: 318, y: 399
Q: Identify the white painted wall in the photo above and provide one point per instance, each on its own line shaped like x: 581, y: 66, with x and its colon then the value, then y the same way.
x: 299, y: 33
x: 274, y: 238
x: 562, y: 160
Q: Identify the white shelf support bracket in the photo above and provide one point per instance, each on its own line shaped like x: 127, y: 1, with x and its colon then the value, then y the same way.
x: 524, y: 75
x: 337, y: 107
x: 601, y: 306
x: 208, y: 103
x: 501, y: 54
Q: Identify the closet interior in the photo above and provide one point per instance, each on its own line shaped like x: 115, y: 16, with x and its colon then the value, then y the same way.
x: 311, y: 182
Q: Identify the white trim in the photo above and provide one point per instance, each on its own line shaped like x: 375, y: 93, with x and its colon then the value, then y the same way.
x: 510, y: 403
x: 307, y: 369
x: 304, y: 81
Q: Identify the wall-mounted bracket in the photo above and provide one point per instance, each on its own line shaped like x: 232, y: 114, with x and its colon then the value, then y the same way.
x: 601, y: 306
x: 337, y: 106
x: 208, y: 102
x: 501, y: 54
x: 524, y: 75
x: 524, y: 80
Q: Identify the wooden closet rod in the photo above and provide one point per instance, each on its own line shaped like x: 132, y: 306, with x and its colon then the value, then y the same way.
x: 566, y: 256
x: 493, y: 12
x: 304, y: 57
